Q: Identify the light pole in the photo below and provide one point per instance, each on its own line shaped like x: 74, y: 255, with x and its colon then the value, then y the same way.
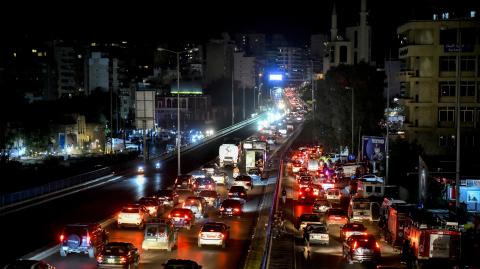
x: 179, y: 136
x: 353, y: 114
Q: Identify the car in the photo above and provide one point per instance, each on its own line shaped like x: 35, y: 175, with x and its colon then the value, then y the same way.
x: 181, y: 264
x: 167, y: 197
x: 132, y: 215
x: 182, y: 218
x: 244, y: 180
x: 152, y: 204
x: 306, y: 219
x: 316, y: 233
x: 140, y: 169
x: 297, y: 164
x: 29, y: 264
x: 321, y: 206
x: 209, y: 168
x: 206, y: 183
x: 118, y: 254
x: 159, y: 234
x: 220, y: 177
x: 336, y: 216
x: 157, y: 165
x: 352, y: 228
x: 253, y: 172
x: 198, y: 174
x: 361, y: 248
x: 237, y: 192
x: 333, y: 194
x: 271, y: 140
x: 231, y: 207
x: 306, y: 195
x: 184, y: 182
x: 88, y: 238
x: 211, y: 197
x: 214, y: 233
x: 305, y: 182
x: 197, y: 204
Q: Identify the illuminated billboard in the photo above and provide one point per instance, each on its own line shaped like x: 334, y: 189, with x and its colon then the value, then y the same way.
x: 275, y: 77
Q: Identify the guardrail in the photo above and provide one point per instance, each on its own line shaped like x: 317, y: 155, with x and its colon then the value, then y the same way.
x: 19, y: 196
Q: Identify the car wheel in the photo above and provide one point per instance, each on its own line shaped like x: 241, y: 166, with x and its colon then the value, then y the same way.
x: 63, y: 253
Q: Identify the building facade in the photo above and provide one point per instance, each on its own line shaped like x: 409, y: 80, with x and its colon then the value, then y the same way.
x: 219, y: 58
x: 429, y: 79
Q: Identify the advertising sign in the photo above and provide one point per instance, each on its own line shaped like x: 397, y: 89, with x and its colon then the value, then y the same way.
x: 275, y: 77
x: 373, y: 148
x: 473, y: 196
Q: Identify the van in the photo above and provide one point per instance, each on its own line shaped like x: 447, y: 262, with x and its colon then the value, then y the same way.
x: 313, y: 165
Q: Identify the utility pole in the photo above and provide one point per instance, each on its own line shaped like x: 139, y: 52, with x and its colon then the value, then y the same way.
x: 233, y: 106
x: 387, y: 141
x: 457, y: 111
x: 111, y: 120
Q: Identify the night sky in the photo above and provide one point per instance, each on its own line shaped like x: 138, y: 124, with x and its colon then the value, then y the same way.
x: 172, y: 21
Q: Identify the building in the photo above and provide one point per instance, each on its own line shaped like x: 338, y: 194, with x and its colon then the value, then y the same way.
x: 68, y: 63
x: 429, y: 53
x: 219, y: 58
x: 244, y: 70
x: 98, y: 72
x: 251, y: 44
x: 353, y: 49
x: 318, y: 48
x: 195, y: 107
x: 292, y: 61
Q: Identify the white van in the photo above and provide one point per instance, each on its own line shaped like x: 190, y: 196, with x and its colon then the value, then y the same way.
x: 313, y: 165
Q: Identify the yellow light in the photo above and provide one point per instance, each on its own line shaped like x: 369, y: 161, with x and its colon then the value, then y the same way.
x: 15, y: 54
x: 34, y: 51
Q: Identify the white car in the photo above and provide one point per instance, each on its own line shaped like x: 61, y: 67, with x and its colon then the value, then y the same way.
x: 214, y: 233
x: 333, y: 194
x: 220, y: 177
x: 132, y: 215
x: 317, y: 233
x: 244, y: 181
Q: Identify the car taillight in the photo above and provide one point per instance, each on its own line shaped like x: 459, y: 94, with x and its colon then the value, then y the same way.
x: 222, y: 235
x: 355, y: 245
x: 377, y: 245
x: 186, y: 216
x: 230, y: 193
x: 123, y: 259
x: 300, y: 193
x: 100, y: 258
x: 169, y: 216
x: 88, y: 238
x: 236, y: 209
x: 200, y: 234
x: 221, y: 208
x: 62, y: 237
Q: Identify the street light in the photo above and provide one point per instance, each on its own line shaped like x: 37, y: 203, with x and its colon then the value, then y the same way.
x: 179, y: 136
x: 353, y: 115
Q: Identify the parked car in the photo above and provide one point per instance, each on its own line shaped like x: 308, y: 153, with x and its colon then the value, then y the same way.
x: 159, y: 234
x: 361, y: 248
x: 214, y: 233
x: 118, y: 254
x: 88, y: 238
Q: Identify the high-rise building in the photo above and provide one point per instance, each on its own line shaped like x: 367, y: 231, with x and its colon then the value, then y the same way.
x: 69, y: 70
x: 98, y: 72
x: 219, y: 58
x: 293, y: 62
x: 431, y: 81
x: 318, y: 48
x: 244, y: 70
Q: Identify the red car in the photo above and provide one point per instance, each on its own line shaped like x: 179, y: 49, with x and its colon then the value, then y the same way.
x: 182, y: 217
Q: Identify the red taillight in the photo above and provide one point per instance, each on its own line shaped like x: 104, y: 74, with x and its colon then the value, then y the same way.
x: 169, y: 216
x: 300, y: 193
x: 236, y: 209
x: 230, y: 193
x: 100, y: 258
x: 377, y: 245
x: 62, y: 237
x: 355, y: 245
x: 186, y: 216
x: 123, y: 259
x: 222, y: 235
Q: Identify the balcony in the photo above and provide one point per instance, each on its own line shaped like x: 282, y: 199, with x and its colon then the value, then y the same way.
x: 413, y: 50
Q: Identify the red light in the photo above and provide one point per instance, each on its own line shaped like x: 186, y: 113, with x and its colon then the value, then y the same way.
x: 377, y: 245
x: 186, y: 216
x: 230, y: 193
x: 222, y: 235
x: 123, y: 259
x: 236, y: 209
x: 355, y: 245
x: 300, y: 193
x: 100, y: 258
x: 62, y: 237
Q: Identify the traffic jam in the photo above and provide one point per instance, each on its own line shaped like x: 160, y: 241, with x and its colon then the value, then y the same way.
x: 204, y: 219
x: 342, y: 210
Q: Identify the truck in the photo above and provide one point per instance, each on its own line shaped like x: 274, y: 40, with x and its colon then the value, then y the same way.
x: 228, y: 155
x: 396, y: 223
x: 432, y: 238
x: 255, y: 154
x: 362, y: 208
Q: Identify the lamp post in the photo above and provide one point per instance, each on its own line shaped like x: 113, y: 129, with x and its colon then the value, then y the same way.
x: 179, y: 136
x: 353, y: 114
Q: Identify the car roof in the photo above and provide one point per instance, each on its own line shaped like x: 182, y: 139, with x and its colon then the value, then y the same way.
x: 353, y: 225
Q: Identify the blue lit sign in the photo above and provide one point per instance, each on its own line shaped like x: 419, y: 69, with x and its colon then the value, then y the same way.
x: 275, y: 77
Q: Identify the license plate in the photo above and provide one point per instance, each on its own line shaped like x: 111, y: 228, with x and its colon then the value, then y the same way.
x: 229, y: 210
x: 210, y: 236
x: 176, y: 219
x: 110, y: 260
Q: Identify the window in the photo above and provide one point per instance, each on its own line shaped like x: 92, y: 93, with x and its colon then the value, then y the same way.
x: 448, y: 36
x: 447, y: 63
x: 466, y: 114
x: 343, y: 54
x: 378, y: 189
x: 332, y: 54
x: 446, y: 114
x: 446, y: 88
x: 467, y: 63
x: 467, y: 88
x: 368, y: 188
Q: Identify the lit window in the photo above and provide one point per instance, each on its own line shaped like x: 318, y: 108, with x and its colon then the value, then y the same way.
x: 34, y: 51
x: 473, y: 13
x: 15, y: 54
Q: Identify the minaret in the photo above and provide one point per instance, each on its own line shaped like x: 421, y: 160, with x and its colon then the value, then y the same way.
x: 333, y: 30
x: 363, y: 51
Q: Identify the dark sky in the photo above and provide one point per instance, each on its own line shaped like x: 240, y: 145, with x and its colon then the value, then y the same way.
x: 170, y: 21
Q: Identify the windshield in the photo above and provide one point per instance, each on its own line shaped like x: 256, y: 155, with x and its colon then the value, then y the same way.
x: 153, y: 230
x: 310, y: 218
x: 115, y: 250
x: 130, y: 210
